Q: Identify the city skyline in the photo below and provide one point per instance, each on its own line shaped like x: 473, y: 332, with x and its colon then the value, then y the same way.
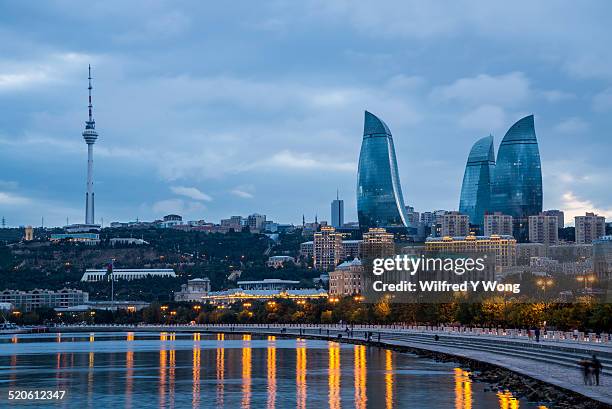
x: 211, y: 137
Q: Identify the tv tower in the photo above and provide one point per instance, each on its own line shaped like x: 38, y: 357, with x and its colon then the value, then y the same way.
x: 90, y: 135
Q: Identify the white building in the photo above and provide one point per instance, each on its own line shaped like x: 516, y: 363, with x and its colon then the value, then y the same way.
x: 279, y: 261
x: 589, y: 227
x: 346, y: 279
x: 127, y: 240
x: 29, y: 300
x: 194, y: 290
x: 171, y: 220
x: 94, y: 275
x: 268, y: 284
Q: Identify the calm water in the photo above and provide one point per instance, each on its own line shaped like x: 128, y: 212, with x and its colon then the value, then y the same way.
x: 146, y: 370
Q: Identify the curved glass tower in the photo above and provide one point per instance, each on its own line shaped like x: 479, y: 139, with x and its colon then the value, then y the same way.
x: 475, y: 197
x: 517, y: 186
x: 379, y: 195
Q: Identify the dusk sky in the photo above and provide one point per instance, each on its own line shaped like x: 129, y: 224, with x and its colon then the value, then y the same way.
x: 211, y: 110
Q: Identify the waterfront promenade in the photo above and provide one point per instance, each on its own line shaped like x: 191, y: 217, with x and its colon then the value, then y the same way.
x: 553, y: 360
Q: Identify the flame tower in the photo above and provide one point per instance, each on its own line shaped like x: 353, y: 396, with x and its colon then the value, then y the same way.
x: 90, y: 135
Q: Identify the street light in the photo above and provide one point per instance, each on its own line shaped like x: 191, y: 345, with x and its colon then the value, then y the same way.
x: 544, y: 283
x: 586, y: 278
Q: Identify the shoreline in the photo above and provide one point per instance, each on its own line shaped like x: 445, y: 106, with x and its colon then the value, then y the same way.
x: 497, y: 376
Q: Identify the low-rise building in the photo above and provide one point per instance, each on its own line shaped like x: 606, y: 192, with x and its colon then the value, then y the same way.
x: 347, y: 279
x: 307, y: 249
x: 570, y: 251
x: 126, y: 241
x: 268, y: 284
x: 94, y: 275
x: 239, y: 295
x: 194, y: 290
x: 171, y: 220
x: 602, y: 257
x: 84, y: 238
x: 279, y: 261
x: 30, y: 300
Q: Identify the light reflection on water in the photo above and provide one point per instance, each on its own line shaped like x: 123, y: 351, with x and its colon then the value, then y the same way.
x: 147, y: 370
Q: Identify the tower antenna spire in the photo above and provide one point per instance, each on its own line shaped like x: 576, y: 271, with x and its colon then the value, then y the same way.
x: 90, y: 136
x: 90, y: 106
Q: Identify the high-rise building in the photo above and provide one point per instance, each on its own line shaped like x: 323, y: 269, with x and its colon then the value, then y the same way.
x: 90, y: 135
x: 412, y: 217
x: 29, y: 233
x: 589, y: 227
x: 497, y: 223
x: 428, y: 218
x: 517, y: 185
x: 560, y: 216
x: 377, y: 243
x: 256, y: 221
x: 475, y: 198
x: 455, y: 224
x: 380, y: 202
x: 602, y: 257
x: 233, y: 223
x: 327, y: 248
x: 544, y: 229
x: 337, y: 212
x: 435, y: 228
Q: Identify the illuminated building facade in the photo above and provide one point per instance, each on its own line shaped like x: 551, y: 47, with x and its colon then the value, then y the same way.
x: 327, y: 248
x: 502, y: 247
x: 347, y: 279
x: 475, y: 198
x: 517, y: 185
x: 380, y: 202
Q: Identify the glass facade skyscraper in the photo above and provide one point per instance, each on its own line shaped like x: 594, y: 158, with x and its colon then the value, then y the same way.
x: 517, y: 185
x: 475, y: 197
x: 380, y: 202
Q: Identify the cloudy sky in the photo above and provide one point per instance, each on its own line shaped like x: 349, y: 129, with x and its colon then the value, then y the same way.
x: 211, y: 111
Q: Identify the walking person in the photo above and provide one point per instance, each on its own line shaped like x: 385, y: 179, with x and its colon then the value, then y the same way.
x: 537, y: 334
x: 596, y: 368
x: 586, y: 371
